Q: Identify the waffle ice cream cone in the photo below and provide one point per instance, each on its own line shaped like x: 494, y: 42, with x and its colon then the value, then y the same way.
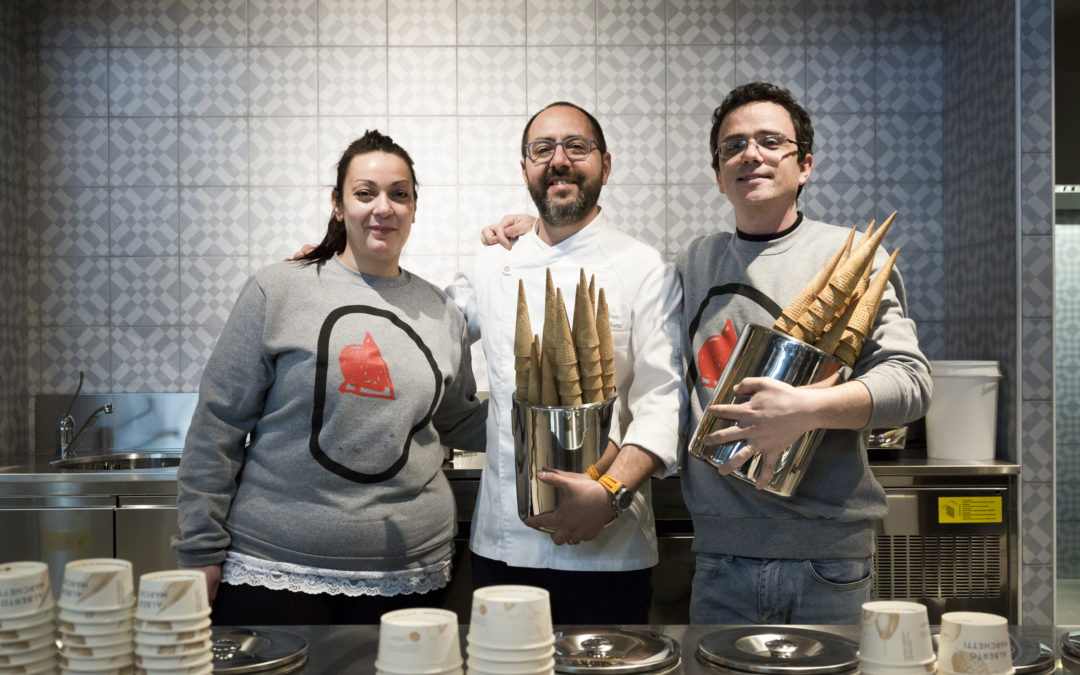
x: 864, y: 314
x: 607, y: 347
x: 533, y: 390
x: 587, y: 344
x: 547, y: 338
x: 566, y: 370
x: 795, y: 309
x: 549, y: 390
x: 523, y: 337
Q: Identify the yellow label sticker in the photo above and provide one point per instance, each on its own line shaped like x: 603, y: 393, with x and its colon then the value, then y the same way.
x: 969, y: 509
x: 65, y: 542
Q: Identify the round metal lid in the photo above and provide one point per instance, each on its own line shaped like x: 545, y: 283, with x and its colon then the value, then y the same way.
x: 1030, y: 657
x: 779, y: 649
x: 1070, y: 643
x: 614, y: 651
x: 257, y: 650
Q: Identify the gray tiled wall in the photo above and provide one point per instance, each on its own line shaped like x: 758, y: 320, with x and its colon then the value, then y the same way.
x: 14, y: 413
x: 1067, y: 398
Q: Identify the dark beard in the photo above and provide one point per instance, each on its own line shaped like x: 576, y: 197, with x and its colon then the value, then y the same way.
x: 562, y: 215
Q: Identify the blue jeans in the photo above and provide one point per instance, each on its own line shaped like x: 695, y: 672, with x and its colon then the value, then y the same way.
x: 734, y: 590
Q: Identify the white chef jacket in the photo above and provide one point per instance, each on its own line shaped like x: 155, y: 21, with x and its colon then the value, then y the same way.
x: 644, y: 298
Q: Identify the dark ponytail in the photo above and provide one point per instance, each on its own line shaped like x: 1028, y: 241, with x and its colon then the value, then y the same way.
x: 333, y: 242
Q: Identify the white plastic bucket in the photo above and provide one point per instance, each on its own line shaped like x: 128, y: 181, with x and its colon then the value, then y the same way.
x: 962, y: 419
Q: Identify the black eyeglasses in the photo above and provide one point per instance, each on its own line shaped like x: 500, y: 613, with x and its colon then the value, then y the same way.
x: 576, y: 148
x: 769, y: 144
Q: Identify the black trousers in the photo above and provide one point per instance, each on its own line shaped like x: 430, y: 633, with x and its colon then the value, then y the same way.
x: 577, y: 597
x: 244, y: 605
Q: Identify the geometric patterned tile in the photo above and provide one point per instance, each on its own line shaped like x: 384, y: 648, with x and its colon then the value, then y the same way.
x: 282, y: 152
x: 282, y: 22
x: 624, y: 23
x: 1036, y: 111
x: 839, y: 21
x: 920, y: 217
x: 909, y: 78
x: 778, y: 22
x: 143, y: 81
x: 280, y: 220
x: 908, y: 21
x: 213, y: 81
x: 843, y: 204
x: 931, y: 339
x: 1037, y: 276
x: 214, y: 151
x: 639, y: 141
x: 63, y: 23
x: 336, y: 133
x: 1037, y: 524
x: 213, y: 221
x: 697, y: 77
x: 696, y: 22
x: 846, y: 151
x: 909, y: 147
x: 693, y: 211
x: 639, y: 211
x: 144, y: 221
x: 209, y: 287
x: 423, y: 81
x: 352, y: 22
x: 630, y: 80
x: 196, y: 344
x: 840, y: 78
x: 491, y: 22
x: 69, y: 221
x: 145, y: 359
x: 67, y: 349
x: 72, y: 151
x: 421, y: 22
x: 924, y: 282
x: 435, y: 231
x: 143, y: 151
x: 1038, y: 359
x: 143, y: 23
x: 74, y: 291
x: 74, y: 82
x: 431, y: 143
x: 561, y: 22
x: 784, y: 65
x: 145, y: 291
x: 687, y: 153
x: 497, y: 159
x: 1036, y: 193
x: 1037, y: 595
x: 1037, y: 444
x: 1037, y: 32
x: 338, y: 67
x: 491, y: 80
x: 480, y: 206
x: 283, y: 81
x: 561, y: 74
x: 213, y: 23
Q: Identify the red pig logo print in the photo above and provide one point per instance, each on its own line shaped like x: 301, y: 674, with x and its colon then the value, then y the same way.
x: 365, y: 370
x: 714, y: 354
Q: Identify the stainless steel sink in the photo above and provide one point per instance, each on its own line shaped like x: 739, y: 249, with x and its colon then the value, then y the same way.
x: 127, y: 461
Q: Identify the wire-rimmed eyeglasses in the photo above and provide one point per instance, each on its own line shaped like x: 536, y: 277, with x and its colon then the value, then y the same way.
x: 576, y: 148
x: 767, y: 143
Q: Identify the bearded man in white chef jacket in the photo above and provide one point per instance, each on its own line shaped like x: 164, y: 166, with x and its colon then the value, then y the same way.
x: 597, y: 561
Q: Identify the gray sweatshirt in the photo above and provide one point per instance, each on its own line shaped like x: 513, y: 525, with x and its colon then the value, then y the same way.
x: 728, y: 282
x: 348, y: 384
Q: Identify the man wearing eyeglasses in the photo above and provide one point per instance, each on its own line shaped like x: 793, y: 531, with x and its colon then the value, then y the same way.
x: 762, y: 558
x: 597, y: 560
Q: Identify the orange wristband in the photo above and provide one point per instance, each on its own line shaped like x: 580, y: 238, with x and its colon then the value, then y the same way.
x: 593, y: 473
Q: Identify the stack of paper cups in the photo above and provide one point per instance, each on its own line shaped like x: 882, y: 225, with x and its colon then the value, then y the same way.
x: 95, y: 618
x: 974, y: 643
x: 894, y: 639
x: 510, y: 632
x: 27, y: 620
x: 172, y: 620
x: 421, y: 640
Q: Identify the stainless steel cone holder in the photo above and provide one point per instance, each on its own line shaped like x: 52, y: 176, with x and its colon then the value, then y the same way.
x: 764, y: 352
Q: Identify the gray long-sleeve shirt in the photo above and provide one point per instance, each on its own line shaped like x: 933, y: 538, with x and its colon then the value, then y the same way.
x: 729, y: 282
x: 348, y: 384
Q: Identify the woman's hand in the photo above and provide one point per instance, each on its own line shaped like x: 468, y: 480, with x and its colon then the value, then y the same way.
x: 507, y: 230
x: 213, y: 580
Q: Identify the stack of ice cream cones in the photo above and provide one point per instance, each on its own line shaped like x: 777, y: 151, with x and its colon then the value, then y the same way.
x: 570, y: 364
x: 837, y: 309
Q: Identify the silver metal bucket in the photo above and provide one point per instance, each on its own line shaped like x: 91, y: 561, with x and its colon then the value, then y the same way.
x: 764, y: 352
x: 570, y: 438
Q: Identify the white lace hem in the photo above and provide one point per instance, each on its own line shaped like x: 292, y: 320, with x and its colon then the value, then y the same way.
x: 240, y: 569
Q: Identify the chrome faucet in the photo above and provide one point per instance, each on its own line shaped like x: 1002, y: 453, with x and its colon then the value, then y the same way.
x: 68, y: 435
